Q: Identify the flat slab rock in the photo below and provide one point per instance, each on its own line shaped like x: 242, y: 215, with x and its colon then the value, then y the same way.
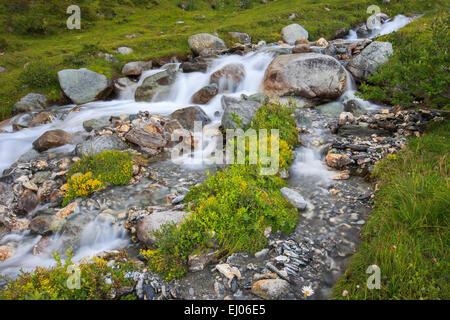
x: 294, y: 197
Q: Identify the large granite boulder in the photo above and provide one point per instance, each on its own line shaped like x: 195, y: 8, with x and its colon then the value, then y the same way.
x: 313, y: 76
x: 83, y: 85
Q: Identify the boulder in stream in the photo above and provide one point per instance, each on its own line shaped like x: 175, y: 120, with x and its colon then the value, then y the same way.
x: 205, y: 94
x: 187, y: 116
x: 52, y: 139
x: 229, y: 77
x: 310, y: 75
x: 241, y: 109
x: 294, y: 197
x: 367, y: 62
x: 157, y: 84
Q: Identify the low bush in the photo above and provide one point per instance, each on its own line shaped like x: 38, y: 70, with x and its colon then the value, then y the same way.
x: 232, y: 209
x: 40, y: 75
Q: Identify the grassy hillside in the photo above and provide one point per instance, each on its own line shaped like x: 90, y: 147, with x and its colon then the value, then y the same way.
x: 33, y: 33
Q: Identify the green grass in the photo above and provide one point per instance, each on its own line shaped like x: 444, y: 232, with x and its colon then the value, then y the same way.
x: 419, y: 72
x: 158, y: 33
x: 407, y: 235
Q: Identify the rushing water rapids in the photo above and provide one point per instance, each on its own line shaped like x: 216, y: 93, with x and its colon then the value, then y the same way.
x: 308, y: 173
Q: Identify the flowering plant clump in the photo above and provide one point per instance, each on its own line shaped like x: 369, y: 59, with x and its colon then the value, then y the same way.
x: 81, y: 185
x: 55, y: 283
x: 92, y: 173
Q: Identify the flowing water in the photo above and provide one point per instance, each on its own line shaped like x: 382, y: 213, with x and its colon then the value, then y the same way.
x: 99, y: 235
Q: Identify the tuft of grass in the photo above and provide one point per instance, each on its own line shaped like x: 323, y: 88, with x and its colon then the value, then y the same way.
x: 407, y: 235
x: 419, y: 71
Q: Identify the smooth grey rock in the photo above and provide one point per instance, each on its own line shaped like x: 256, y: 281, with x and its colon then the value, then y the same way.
x: 205, y: 41
x: 83, y: 85
x: 245, y: 110
x: 370, y: 59
x: 146, y: 139
x: 31, y: 102
x: 99, y: 144
x: 187, y: 116
x: 124, y: 50
x: 308, y: 75
x: 294, y: 32
x: 94, y: 124
x: 294, y: 197
x: 52, y: 139
x: 157, y: 84
x: 154, y: 222
x: 270, y: 289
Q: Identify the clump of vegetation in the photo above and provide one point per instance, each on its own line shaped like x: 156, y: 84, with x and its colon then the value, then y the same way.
x: 81, y: 185
x: 91, y: 173
x: 40, y: 75
x: 419, y: 71
x: 230, y: 210
x: 407, y: 235
x: 52, y: 283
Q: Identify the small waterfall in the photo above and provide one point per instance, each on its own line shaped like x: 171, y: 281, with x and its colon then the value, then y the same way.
x: 387, y: 27
x: 97, y: 236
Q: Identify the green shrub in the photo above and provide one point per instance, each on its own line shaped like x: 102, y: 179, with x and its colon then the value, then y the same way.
x: 40, y: 75
x: 419, y: 71
x: 231, y: 209
x: 91, y: 173
x: 51, y: 283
